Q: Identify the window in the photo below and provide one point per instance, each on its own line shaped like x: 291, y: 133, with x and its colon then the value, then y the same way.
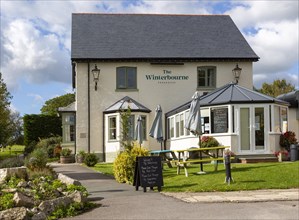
x: 181, y: 124
x: 171, y: 127
x: 186, y: 119
x: 280, y: 119
x: 206, y: 77
x: 284, y: 119
x: 72, y: 133
x: 177, y: 126
x: 131, y: 127
x: 126, y: 78
x: 112, y: 128
x: 68, y: 125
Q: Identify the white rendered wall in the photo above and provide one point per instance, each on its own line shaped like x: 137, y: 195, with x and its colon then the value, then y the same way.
x: 150, y: 93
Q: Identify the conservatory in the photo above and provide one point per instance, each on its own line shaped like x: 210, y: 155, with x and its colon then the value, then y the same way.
x: 248, y: 121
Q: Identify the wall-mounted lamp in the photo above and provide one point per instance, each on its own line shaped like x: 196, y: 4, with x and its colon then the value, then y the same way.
x: 96, y: 75
x: 237, y: 72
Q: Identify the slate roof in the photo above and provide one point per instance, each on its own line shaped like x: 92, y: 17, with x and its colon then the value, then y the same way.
x: 149, y: 36
x: 70, y: 108
x: 291, y: 97
x: 231, y: 93
x: 124, y: 103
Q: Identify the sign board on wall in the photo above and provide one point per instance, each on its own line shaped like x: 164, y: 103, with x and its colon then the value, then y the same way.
x: 219, y: 120
x: 166, y: 77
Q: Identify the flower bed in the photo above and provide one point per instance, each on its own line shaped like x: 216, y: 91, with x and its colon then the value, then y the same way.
x: 40, y: 194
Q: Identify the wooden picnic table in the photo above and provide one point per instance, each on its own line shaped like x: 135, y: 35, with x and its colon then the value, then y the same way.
x: 183, y: 159
x: 165, y: 155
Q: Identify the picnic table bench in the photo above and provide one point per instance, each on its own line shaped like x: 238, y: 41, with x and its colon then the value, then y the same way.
x: 183, y: 158
x: 165, y: 156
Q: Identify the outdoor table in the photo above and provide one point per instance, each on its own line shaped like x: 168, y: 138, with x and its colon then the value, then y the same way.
x: 164, y: 154
x: 183, y: 159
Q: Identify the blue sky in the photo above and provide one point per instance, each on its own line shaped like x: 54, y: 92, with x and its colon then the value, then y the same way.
x: 36, y: 40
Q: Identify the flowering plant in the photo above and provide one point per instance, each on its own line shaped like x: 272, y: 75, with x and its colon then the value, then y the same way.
x: 228, y: 152
x: 286, y: 139
x: 283, y: 152
x: 208, y: 141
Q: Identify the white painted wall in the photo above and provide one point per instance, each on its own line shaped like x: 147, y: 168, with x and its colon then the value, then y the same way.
x: 150, y: 93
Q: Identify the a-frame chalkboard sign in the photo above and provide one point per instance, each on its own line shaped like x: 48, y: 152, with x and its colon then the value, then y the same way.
x: 148, y: 173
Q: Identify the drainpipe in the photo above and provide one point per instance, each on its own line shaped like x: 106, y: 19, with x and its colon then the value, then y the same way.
x: 103, y: 138
x: 88, y: 106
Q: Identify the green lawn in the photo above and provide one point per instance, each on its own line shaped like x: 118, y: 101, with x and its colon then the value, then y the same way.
x: 246, y: 177
x: 11, y: 151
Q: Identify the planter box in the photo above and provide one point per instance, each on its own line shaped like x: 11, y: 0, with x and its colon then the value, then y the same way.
x: 66, y: 159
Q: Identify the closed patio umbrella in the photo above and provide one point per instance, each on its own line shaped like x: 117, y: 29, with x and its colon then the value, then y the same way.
x: 193, y: 123
x: 139, y: 131
x: 156, y: 130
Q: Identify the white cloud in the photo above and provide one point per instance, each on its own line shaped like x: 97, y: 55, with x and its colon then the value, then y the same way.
x: 36, y: 97
x: 36, y: 35
x: 252, y: 13
x: 271, y: 29
x: 29, y: 53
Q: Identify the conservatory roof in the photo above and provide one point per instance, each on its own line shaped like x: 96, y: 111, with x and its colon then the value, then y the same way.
x: 126, y: 102
x: 231, y: 93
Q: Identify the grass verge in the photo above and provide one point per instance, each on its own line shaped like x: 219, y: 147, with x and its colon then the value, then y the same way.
x: 11, y: 151
x: 255, y: 176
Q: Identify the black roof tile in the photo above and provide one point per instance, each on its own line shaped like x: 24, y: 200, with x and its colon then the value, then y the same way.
x: 148, y: 36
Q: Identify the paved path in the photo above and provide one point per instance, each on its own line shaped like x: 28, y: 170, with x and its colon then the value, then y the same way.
x: 121, y: 201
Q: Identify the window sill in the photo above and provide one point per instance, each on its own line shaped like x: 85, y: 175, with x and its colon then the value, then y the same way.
x: 205, y: 88
x: 126, y: 90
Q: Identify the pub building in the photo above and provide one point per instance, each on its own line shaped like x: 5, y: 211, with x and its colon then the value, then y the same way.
x: 144, y: 60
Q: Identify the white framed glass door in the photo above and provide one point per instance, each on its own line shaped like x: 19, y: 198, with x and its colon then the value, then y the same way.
x: 252, y: 134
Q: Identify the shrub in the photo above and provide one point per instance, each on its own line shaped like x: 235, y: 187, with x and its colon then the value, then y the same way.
x: 37, y: 159
x: 50, y: 144
x: 124, y: 164
x: 286, y: 139
x: 12, y: 162
x: 29, y: 148
x: 37, y: 173
x: 65, y: 152
x: 57, y: 151
x: 91, y: 159
x: 208, y: 141
x: 6, y: 201
x: 40, y: 126
x: 73, y: 188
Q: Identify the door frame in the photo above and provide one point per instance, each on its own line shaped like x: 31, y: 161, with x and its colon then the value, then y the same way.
x: 252, y: 147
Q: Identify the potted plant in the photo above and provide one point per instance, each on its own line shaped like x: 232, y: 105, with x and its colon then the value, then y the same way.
x: 286, y: 139
x: 208, y: 141
x: 65, y: 156
x: 80, y: 156
x: 282, y: 155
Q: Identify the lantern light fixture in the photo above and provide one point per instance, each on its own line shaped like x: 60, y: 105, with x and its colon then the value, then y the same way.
x: 237, y: 73
x: 96, y: 76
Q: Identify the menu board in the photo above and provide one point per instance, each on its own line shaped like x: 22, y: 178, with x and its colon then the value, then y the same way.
x: 148, y: 172
x: 219, y: 120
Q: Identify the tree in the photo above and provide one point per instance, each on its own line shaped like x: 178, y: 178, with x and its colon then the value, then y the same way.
x: 277, y: 88
x: 5, y: 98
x: 51, y: 106
x: 15, y: 129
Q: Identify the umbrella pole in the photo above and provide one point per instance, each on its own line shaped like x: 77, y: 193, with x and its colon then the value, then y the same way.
x: 161, y: 145
x: 201, y: 165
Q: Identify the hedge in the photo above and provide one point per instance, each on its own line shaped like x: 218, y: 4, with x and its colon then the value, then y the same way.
x: 37, y: 127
